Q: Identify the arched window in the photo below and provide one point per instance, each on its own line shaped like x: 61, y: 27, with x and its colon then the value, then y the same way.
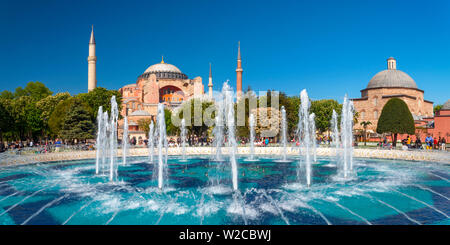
x: 375, y: 114
x: 363, y: 114
x: 375, y: 101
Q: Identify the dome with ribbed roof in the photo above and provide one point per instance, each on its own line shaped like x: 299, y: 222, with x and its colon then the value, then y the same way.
x: 446, y: 105
x: 392, y: 78
x: 164, y: 70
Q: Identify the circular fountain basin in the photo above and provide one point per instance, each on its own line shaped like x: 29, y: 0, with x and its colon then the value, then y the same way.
x: 200, y: 192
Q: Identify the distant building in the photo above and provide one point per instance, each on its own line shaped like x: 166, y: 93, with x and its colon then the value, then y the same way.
x: 387, y: 84
x: 160, y: 83
x: 437, y: 126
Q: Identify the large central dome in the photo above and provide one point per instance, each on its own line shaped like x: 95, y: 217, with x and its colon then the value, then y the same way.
x: 163, y: 70
x: 162, y: 67
x: 392, y: 78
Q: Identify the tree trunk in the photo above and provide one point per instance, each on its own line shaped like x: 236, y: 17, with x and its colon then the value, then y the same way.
x: 394, y: 141
x: 365, y: 138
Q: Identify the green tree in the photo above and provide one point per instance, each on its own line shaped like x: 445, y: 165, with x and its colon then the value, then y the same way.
x: 396, y: 119
x: 190, y: 125
x: 323, y: 109
x: 6, y: 95
x: 77, y: 123
x: 6, y: 120
x: 100, y: 97
x: 244, y: 131
x: 19, y: 116
x: 55, y: 121
x: 34, y: 123
x: 437, y: 108
x: 48, y: 105
x: 35, y: 90
x: 365, y: 124
x: 170, y: 128
x: 144, y: 124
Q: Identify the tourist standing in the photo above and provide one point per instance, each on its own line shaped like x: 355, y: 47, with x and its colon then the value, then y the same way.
x: 418, y: 143
x: 443, y: 144
x: 429, y: 142
x: 408, y: 142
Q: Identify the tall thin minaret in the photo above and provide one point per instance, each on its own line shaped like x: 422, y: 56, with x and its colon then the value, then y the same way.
x: 210, y: 84
x: 92, y: 60
x: 239, y: 73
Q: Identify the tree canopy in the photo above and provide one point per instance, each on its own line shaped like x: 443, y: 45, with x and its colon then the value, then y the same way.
x: 100, y: 97
x: 323, y: 109
x: 191, y: 122
x: 36, y: 91
x: 77, y: 123
x: 396, y: 119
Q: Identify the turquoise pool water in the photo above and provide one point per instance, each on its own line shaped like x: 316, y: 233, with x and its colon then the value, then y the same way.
x: 199, y: 192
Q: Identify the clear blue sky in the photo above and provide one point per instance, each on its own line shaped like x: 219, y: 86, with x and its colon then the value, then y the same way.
x: 328, y: 47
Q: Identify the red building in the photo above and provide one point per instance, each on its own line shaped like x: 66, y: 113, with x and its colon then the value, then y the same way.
x: 437, y: 126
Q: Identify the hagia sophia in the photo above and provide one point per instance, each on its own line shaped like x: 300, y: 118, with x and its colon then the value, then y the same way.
x: 159, y: 83
x: 165, y: 83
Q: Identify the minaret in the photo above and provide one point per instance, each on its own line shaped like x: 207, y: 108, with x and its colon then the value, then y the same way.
x: 92, y: 60
x: 239, y: 73
x: 210, y: 84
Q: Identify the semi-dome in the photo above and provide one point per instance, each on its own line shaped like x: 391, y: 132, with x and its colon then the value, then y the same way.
x: 164, y: 70
x: 392, y: 78
x: 446, y: 105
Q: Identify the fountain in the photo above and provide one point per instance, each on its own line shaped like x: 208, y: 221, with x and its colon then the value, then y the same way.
x: 218, y: 129
x: 252, y: 136
x: 104, y: 141
x: 107, y: 140
x: 231, y: 138
x: 183, y: 140
x: 306, y: 134
x: 312, y: 124
x: 125, y: 141
x: 100, y: 138
x: 151, y: 140
x: 284, y: 134
x: 347, y: 137
x: 113, y: 139
x: 335, y: 133
x: 161, y: 137
x: 69, y: 193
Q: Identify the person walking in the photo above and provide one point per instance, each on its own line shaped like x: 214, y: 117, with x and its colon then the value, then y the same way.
x: 443, y: 144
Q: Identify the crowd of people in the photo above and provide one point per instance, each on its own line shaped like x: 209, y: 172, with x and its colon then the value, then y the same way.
x: 430, y: 143
x: 436, y: 143
x: 46, y: 146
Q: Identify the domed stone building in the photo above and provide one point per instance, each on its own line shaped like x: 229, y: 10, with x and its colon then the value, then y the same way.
x: 159, y: 83
x: 387, y: 84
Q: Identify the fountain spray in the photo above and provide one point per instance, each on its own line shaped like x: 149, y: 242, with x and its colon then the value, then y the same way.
x: 252, y: 136
x: 125, y: 141
x: 151, y: 140
x: 100, y: 138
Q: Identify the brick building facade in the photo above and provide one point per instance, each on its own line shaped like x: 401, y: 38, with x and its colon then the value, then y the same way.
x: 387, y: 84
